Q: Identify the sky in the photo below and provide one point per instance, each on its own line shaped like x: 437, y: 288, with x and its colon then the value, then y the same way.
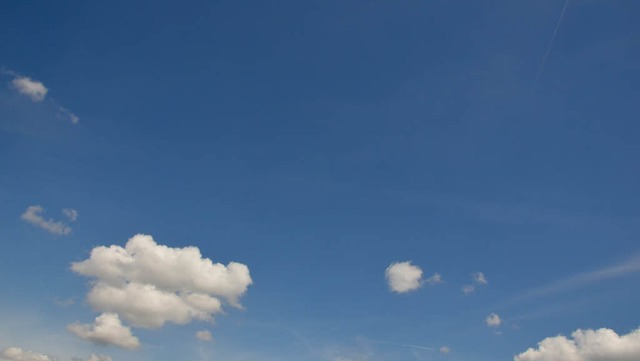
x: 319, y: 180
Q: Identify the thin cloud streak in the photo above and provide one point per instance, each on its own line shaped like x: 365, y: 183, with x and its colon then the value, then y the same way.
x: 553, y: 39
x: 402, y: 345
x: 583, y: 279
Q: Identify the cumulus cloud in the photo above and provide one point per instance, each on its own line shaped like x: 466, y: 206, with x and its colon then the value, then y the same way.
x: 33, y: 215
x: 106, y: 330
x: 403, y: 277
x: 586, y: 345
x: 493, y: 320
x: 445, y: 349
x: 33, y: 89
x: 148, y: 284
x: 18, y: 354
x: 204, y: 335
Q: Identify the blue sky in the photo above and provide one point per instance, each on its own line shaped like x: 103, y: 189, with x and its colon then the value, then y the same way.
x: 319, y: 143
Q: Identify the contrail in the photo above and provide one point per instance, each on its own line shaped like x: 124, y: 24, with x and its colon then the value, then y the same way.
x: 553, y: 38
x: 402, y: 345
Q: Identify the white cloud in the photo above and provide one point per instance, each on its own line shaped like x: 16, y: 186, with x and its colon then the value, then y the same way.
x: 70, y: 213
x: 493, y: 320
x: 586, y: 345
x: 33, y: 216
x: 204, y: 335
x: 144, y: 305
x: 34, y: 89
x: 95, y: 357
x: 18, y: 354
x: 435, y: 279
x: 106, y: 330
x: 148, y: 284
x: 468, y: 289
x: 445, y: 349
x: 479, y: 278
x: 403, y: 277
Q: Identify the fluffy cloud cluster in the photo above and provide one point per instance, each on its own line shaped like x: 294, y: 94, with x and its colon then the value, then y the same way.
x: 147, y: 284
x: 403, y: 277
x: 33, y: 215
x: 106, y: 330
x: 18, y: 354
x: 493, y: 320
x: 33, y: 89
x: 586, y: 345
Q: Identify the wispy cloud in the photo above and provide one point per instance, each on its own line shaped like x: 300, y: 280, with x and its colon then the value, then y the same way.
x: 401, y: 345
x: 37, y: 92
x: 204, y: 335
x: 64, y: 302
x: 468, y: 289
x: 435, y: 279
x: 33, y: 215
x: 70, y: 213
x: 584, y: 279
x: 478, y: 279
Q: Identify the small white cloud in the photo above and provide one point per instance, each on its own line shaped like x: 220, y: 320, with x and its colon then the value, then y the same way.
x: 493, y: 320
x: 403, y: 277
x: 435, y: 279
x: 95, y: 357
x: 33, y: 216
x: 34, y: 89
x: 586, y: 345
x: 18, y: 354
x: 70, y: 213
x: 445, y: 349
x: 468, y: 289
x: 106, y: 330
x: 479, y: 278
x: 204, y: 335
